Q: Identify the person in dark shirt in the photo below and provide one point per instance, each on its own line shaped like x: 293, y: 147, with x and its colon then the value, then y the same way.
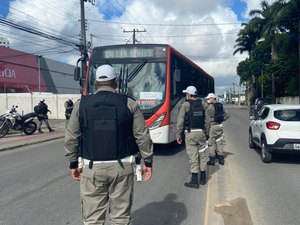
x: 41, y: 110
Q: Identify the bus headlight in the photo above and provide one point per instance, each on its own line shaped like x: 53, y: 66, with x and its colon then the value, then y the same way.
x: 157, y: 123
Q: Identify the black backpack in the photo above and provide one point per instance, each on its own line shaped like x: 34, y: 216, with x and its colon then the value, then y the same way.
x: 219, y: 112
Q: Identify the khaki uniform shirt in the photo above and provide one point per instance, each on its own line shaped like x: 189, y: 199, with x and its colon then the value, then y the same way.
x: 180, y: 121
x: 140, y: 131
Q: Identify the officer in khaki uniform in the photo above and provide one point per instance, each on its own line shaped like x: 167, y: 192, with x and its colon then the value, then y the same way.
x: 108, y: 128
x: 216, y: 115
x: 191, y: 121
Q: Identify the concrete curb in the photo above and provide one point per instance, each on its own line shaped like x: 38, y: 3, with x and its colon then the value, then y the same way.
x: 29, y: 143
x: 15, y: 140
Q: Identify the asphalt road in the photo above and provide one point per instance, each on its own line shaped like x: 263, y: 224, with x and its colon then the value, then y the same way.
x: 36, y: 188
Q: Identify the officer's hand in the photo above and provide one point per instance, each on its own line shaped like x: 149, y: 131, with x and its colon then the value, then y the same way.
x: 147, y: 172
x: 179, y: 140
x: 76, y: 173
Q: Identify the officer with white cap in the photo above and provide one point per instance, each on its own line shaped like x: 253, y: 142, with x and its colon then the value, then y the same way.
x: 191, y: 121
x: 108, y: 128
x: 216, y: 115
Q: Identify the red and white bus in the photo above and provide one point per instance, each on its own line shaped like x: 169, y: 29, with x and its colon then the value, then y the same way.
x: 154, y: 75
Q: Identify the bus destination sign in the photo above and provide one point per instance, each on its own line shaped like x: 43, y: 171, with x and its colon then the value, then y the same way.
x: 129, y: 53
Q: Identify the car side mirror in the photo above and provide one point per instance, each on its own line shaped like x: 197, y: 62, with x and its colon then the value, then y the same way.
x: 252, y: 117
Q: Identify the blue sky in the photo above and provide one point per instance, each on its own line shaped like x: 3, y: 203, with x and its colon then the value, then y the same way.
x: 238, y: 7
x: 4, y: 7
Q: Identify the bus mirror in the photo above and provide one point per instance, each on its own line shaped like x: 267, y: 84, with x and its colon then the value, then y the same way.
x: 177, y: 75
x: 77, y: 73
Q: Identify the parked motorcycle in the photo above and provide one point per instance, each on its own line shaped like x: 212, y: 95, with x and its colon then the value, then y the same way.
x: 13, y: 120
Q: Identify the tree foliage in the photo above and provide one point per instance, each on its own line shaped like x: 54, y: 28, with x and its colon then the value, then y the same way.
x: 271, y: 39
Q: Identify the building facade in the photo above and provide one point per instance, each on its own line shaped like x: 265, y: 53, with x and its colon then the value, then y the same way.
x: 22, y: 72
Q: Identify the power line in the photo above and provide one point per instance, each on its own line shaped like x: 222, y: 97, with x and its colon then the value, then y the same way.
x: 169, y: 25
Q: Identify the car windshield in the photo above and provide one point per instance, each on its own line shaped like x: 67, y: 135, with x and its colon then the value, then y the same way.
x: 146, y: 82
x: 287, y: 114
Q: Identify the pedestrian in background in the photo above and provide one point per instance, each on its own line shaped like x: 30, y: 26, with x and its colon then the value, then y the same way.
x: 216, y: 115
x: 42, y: 110
x: 191, y: 121
x: 112, y: 129
x: 68, y: 109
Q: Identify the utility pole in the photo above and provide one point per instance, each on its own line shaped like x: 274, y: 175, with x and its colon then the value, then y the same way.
x: 83, y: 41
x: 134, y: 31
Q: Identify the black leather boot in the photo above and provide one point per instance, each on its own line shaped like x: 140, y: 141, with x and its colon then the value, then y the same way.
x: 221, y: 159
x: 203, y: 177
x: 194, y: 181
x: 211, y: 161
x: 40, y: 131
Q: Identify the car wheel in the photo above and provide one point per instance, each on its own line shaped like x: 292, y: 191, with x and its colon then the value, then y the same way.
x: 266, y: 156
x: 251, y: 143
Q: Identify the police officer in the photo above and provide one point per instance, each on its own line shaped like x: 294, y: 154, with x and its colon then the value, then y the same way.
x: 69, y: 108
x: 107, y: 127
x: 191, y: 121
x: 42, y: 110
x: 216, y: 115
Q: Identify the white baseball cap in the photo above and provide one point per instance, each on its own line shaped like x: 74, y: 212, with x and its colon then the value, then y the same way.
x: 211, y: 95
x: 105, y: 73
x: 42, y: 100
x: 190, y: 90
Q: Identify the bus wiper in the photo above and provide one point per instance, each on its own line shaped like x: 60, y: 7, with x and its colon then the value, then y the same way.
x: 136, y: 70
x: 123, y: 80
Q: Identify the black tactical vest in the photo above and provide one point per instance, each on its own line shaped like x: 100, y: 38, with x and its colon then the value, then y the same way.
x: 106, y: 126
x: 219, y: 112
x: 194, y: 118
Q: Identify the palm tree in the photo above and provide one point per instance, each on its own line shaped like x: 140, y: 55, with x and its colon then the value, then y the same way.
x: 246, y: 41
x: 267, y: 17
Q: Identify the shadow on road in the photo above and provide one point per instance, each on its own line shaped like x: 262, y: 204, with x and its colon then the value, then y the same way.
x: 166, y: 212
x: 168, y: 149
x: 282, y: 158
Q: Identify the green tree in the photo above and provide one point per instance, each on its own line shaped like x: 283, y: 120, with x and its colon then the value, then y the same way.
x: 268, y: 20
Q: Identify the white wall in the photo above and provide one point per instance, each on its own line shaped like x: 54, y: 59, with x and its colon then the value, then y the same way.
x: 27, y: 101
x: 288, y: 100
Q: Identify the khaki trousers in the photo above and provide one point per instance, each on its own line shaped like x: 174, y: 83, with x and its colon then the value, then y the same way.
x: 107, y: 186
x: 216, y: 140
x: 196, y: 140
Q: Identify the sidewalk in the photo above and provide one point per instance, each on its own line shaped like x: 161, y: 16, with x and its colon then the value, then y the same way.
x: 14, y: 139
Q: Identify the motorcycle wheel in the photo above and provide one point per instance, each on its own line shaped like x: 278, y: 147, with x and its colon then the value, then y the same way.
x: 30, y: 128
x: 4, y: 129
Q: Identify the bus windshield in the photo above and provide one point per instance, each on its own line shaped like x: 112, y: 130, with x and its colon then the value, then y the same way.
x: 145, y: 82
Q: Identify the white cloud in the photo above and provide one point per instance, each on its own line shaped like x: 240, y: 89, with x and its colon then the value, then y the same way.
x: 254, y: 4
x: 209, y: 45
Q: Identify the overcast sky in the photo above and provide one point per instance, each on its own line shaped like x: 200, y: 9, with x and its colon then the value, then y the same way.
x: 203, y: 30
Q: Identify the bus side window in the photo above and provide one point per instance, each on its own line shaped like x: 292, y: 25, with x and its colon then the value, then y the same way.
x: 176, y: 79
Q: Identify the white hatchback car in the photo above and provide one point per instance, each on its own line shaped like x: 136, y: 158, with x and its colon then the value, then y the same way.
x: 276, y: 129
